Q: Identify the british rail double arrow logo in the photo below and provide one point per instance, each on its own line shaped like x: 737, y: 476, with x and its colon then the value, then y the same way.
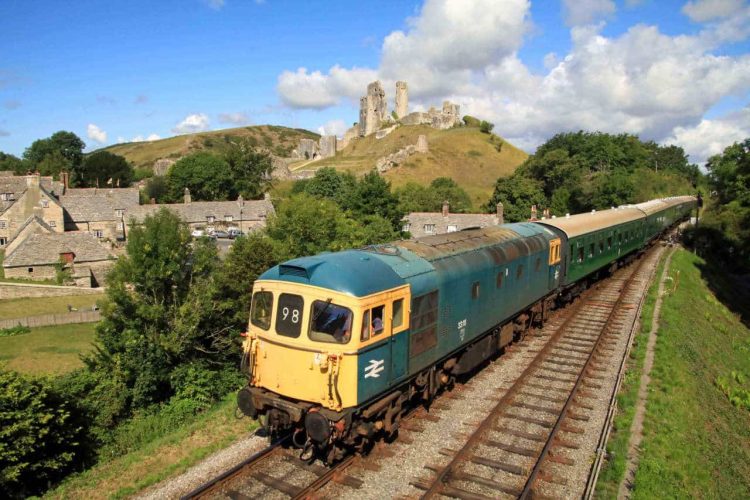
x: 374, y: 368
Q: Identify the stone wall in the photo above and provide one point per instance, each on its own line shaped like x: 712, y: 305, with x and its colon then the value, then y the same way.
x: 53, y: 319
x: 27, y: 291
x: 402, y: 99
x: 393, y: 160
x: 327, y: 146
x: 373, y: 109
x: 162, y: 165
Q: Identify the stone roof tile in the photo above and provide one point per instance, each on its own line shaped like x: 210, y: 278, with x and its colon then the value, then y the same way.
x: 45, y: 249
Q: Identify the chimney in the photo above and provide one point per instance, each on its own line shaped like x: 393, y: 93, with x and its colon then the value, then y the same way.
x: 186, y: 195
x: 67, y: 257
x: 500, y: 214
x: 446, y: 208
x: 545, y: 214
x: 64, y: 178
x: 533, y: 212
x: 32, y: 180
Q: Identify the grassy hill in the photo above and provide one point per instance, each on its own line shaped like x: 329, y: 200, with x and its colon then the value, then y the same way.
x: 464, y: 153
x: 278, y: 140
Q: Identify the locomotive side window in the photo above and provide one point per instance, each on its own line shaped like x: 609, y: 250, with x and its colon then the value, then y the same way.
x: 366, y: 326
x: 289, y: 315
x: 330, y: 322
x: 378, y: 320
x: 475, y: 290
x: 398, y: 313
x: 261, y: 310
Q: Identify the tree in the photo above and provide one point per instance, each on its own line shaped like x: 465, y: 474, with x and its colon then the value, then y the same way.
x: 9, y: 162
x: 446, y: 189
x: 103, y: 168
x: 332, y: 184
x: 157, y: 189
x: 486, y: 127
x: 67, y: 144
x: 207, y: 176
x: 250, y: 168
x: 40, y: 439
x: 53, y: 164
x: 517, y: 194
x: 159, y: 312
x: 417, y: 198
x: 372, y: 196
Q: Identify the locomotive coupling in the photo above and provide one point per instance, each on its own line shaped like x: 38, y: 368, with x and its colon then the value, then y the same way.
x: 317, y: 426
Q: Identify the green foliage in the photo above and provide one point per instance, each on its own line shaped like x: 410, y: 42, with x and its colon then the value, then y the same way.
x: 304, y: 225
x: 733, y: 390
x: 250, y: 169
x: 372, y: 196
x: 207, y: 176
x: 724, y: 230
x: 157, y: 189
x: 417, y: 198
x: 330, y: 183
x: 103, y: 169
x: 517, y: 194
x: 486, y: 127
x: 14, y: 330
x: 61, y: 151
x: 470, y: 121
x: 63, y: 273
x: 40, y: 438
x: 581, y: 171
x: 141, y: 173
x: 13, y: 163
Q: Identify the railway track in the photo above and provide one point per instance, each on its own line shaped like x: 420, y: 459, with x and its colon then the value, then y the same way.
x: 519, y: 449
x: 510, y: 451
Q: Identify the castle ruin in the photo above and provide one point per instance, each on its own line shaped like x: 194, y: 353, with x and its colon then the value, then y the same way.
x: 373, y: 109
x: 402, y: 99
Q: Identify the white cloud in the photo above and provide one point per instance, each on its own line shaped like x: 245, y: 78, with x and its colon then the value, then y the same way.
x: 197, y: 122
x: 706, y: 10
x: 94, y: 133
x: 710, y: 137
x: 642, y: 81
x: 579, y: 12
x: 333, y: 127
x: 140, y: 138
x: 121, y: 139
x: 233, y: 118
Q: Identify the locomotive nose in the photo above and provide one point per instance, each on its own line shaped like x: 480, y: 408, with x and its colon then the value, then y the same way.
x: 317, y: 427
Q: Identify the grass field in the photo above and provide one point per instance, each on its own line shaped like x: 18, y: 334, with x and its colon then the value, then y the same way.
x: 167, y: 456
x: 48, y: 349
x: 613, y: 471
x: 17, y: 308
x: 696, y: 443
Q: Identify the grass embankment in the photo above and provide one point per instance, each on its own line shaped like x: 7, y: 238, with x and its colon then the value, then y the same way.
x: 47, y: 349
x: 464, y: 154
x: 162, y: 454
x: 613, y: 471
x: 18, y: 308
x: 696, y: 443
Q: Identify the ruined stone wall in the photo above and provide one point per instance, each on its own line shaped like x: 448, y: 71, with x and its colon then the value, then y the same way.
x: 327, y: 146
x: 402, y: 99
x: 373, y: 109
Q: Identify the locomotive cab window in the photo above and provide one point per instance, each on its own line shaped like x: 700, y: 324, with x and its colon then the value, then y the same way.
x: 378, y: 320
x: 261, y: 310
x: 366, y: 326
x: 289, y: 315
x: 329, y: 322
x: 398, y: 313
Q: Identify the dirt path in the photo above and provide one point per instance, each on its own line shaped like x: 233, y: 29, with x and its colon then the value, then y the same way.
x: 636, y: 429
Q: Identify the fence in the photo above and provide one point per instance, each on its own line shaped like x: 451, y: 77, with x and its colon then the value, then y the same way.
x: 52, y: 319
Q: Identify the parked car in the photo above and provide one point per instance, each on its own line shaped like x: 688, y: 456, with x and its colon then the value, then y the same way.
x: 220, y: 234
x: 197, y: 233
x: 234, y: 233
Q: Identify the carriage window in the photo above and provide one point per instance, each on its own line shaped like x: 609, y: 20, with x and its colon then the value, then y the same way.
x: 329, y: 322
x: 398, y: 313
x: 601, y: 247
x: 580, y: 254
x: 519, y: 272
x: 475, y: 290
x: 366, y: 326
x: 289, y: 316
x: 609, y: 243
x: 499, y: 280
x: 261, y: 310
x: 591, y: 250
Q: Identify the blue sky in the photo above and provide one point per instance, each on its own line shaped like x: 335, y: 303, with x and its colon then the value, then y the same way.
x: 137, y: 68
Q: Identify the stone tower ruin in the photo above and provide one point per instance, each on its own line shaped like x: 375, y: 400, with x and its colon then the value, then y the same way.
x: 373, y: 109
x: 402, y: 99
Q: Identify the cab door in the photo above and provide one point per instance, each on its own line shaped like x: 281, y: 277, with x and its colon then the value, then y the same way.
x: 399, y: 324
x: 555, y: 271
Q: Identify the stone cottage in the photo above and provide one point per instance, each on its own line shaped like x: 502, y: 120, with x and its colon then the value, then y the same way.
x: 429, y: 223
x: 23, y: 198
x: 101, y: 212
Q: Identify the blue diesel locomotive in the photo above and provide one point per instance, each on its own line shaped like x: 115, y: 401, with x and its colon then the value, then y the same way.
x: 341, y: 345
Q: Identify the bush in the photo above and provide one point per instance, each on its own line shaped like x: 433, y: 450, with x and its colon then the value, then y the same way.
x: 470, y: 121
x: 486, y: 127
x: 40, y: 438
x: 14, y: 330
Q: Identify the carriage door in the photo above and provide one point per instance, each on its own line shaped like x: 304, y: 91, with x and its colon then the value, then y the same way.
x: 555, y: 270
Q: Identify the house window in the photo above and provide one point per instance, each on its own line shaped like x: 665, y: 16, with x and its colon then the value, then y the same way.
x: 119, y: 212
x: 31, y: 270
x: 452, y: 228
x: 3, y: 241
x: 4, y: 196
x: 3, y: 224
x: 98, y: 233
x: 406, y: 228
x: 120, y: 226
x: 228, y: 218
x: 210, y: 219
x: 52, y: 223
x: 429, y: 228
x: 45, y: 203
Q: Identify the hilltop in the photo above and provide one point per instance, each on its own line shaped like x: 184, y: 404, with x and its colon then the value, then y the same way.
x: 278, y: 140
x: 465, y: 154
